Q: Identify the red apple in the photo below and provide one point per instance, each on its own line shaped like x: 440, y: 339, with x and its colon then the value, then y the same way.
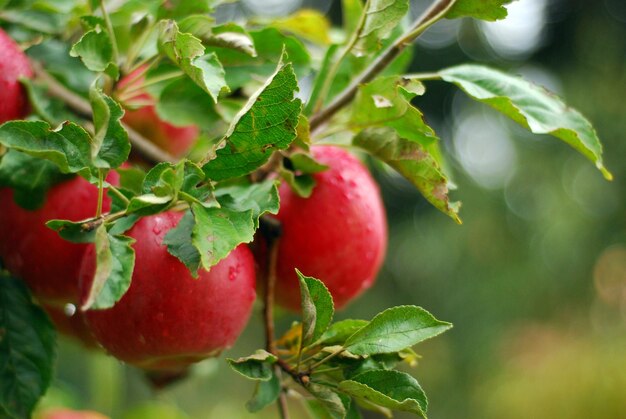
x: 141, y: 115
x: 37, y: 254
x: 167, y: 319
x: 13, y: 65
x: 338, y: 234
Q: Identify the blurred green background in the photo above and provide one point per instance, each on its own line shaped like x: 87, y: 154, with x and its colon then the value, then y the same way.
x: 534, y: 280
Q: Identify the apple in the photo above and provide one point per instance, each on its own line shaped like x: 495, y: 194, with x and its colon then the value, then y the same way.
x: 337, y: 235
x: 141, y: 115
x: 13, y: 65
x: 37, y: 254
x: 63, y: 413
x: 167, y: 319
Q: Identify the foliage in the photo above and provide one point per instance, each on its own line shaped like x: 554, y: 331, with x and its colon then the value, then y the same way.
x: 247, y: 79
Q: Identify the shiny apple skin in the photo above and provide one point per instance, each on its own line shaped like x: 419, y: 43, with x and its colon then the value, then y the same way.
x: 38, y: 255
x: 167, y: 319
x: 13, y: 65
x: 337, y: 235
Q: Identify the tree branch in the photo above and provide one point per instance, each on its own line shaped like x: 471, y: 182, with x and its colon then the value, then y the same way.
x: 82, y: 107
x: 271, y: 230
x: 435, y: 12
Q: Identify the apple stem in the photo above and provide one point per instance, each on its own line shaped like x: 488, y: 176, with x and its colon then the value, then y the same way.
x: 435, y: 12
x: 82, y: 107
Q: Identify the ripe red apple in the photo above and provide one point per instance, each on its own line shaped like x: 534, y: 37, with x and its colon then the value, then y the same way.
x: 338, y: 234
x: 167, y: 319
x: 37, y: 254
x: 13, y: 65
x: 141, y: 115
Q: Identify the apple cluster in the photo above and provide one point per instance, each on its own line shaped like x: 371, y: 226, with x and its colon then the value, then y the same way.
x: 168, y: 319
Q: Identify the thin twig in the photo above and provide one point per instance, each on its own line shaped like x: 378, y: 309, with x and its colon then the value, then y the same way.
x: 81, y: 106
x: 437, y: 10
x: 272, y: 232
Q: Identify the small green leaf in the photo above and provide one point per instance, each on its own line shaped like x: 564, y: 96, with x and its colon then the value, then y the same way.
x: 187, y: 52
x: 392, y: 389
x: 414, y: 162
x: 95, y: 49
x: 267, y: 123
x: 305, y: 163
x: 72, y: 231
x: 110, y: 146
x: 179, y: 244
x: 27, y: 350
x: 217, y: 231
x: 381, y: 17
x: 182, y: 103
x: 255, y: 367
x: 50, y: 109
x: 333, y: 403
x: 317, y: 308
x: 302, y: 185
x: 395, y: 329
x: 387, y: 102
x: 29, y: 177
x: 308, y: 24
x: 338, y: 332
x: 260, y: 198
x: 115, y: 260
x: 233, y: 36
x: 479, y: 9
x: 529, y: 105
x: 265, y: 393
x: 67, y: 147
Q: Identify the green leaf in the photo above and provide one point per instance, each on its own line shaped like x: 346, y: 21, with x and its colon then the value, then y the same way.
x: 302, y: 185
x: 260, y: 198
x: 182, y: 103
x: 529, y: 105
x: 321, y: 76
x: 179, y: 244
x: 95, y: 49
x: 218, y: 231
x: 232, y: 36
x: 27, y: 350
x: 255, y: 367
x: 115, y: 260
x: 265, y: 393
x: 267, y: 123
x: 187, y: 52
x: 29, y: 177
x: 317, y: 308
x: 335, y: 405
x: 338, y: 332
x: 479, y: 9
x: 387, y: 102
x: 392, y: 389
x: 308, y: 24
x: 305, y: 163
x: 68, y: 147
x: 269, y: 43
x: 110, y: 146
x: 395, y: 329
x: 72, y: 231
x: 414, y: 162
x: 381, y: 17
